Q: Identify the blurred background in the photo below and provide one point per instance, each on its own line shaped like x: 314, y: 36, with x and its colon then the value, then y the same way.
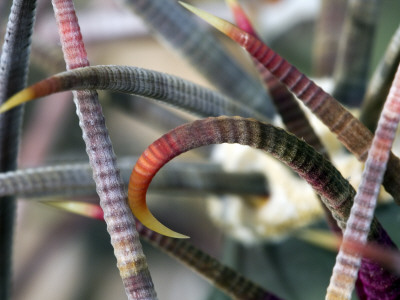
x: 50, y: 242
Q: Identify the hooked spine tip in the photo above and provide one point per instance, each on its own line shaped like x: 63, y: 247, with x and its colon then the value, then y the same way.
x: 19, y: 98
x: 143, y: 214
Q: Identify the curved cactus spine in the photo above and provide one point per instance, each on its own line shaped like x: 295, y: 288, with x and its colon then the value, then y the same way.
x: 180, y: 30
x: 334, y: 190
x: 287, y: 106
x: 302, y: 158
x: 349, y: 130
x: 137, y: 81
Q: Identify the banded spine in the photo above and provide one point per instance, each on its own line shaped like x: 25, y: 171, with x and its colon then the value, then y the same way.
x: 156, y: 85
x: 14, y: 62
x: 131, y: 261
x: 335, y: 191
x: 361, y: 215
x: 349, y: 130
x: 302, y: 158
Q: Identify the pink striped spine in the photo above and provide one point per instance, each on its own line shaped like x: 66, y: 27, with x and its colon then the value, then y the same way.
x: 131, y: 261
x: 287, y: 106
x: 358, y: 226
x: 73, y: 47
x: 334, y: 115
x: 349, y: 130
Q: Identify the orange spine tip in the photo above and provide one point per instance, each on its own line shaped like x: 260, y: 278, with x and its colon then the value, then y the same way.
x: 153, y: 158
x: 43, y: 88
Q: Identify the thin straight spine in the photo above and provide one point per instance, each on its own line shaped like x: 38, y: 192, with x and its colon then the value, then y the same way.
x: 292, y: 115
x: 379, y: 85
x: 361, y: 215
x: 14, y: 63
x: 131, y: 261
x: 327, y: 35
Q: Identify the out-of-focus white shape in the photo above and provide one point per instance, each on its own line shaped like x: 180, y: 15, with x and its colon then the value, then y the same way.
x: 292, y: 203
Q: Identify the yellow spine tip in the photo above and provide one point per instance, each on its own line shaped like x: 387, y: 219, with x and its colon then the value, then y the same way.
x: 321, y: 238
x: 218, y: 23
x: 19, y: 98
x: 147, y: 219
x: 80, y: 208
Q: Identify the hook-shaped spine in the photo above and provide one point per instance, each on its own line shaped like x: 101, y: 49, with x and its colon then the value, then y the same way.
x: 153, y: 158
x: 335, y: 191
x: 349, y: 130
x: 302, y: 158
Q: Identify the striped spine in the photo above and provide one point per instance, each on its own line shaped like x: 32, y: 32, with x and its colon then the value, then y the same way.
x: 334, y: 190
x: 155, y: 85
x: 349, y: 130
x: 287, y: 106
x: 180, y: 30
x: 223, y: 277
x: 131, y: 261
x: 302, y: 158
x: 14, y: 63
x: 358, y: 226
x: 77, y: 179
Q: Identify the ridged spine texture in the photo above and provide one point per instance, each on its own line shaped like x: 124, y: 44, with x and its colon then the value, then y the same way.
x: 349, y: 130
x: 77, y: 179
x: 334, y: 190
x: 131, y: 261
x: 13, y: 73
x: 156, y: 85
x: 47, y: 180
x: 359, y: 223
x: 178, y: 29
x: 225, y: 278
